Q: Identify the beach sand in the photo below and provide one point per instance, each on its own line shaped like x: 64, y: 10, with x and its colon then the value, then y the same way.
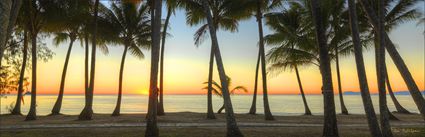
x: 350, y: 125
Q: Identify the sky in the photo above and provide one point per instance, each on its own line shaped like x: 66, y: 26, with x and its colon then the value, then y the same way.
x: 186, y: 66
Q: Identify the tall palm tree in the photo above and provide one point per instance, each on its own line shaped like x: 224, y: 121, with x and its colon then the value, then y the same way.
x: 133, y: 24
x: 330, y: 127
x: 17, y: 109
x: 361, y: 72
x: 381, y: 71
x: 171, y: 6
x: 226, y: 15
x: 339, y: 43
x: 289, y: 36
x: 260, y: 7
x: 232, y: 127
x: 397, y: 59
x: 151, y: 119
x: 217, y: 89
x: 87, y: 112
x: 36, y: 20
x: 22, y: 23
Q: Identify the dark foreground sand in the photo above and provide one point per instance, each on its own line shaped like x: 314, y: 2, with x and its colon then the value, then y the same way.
x: 409, y: 125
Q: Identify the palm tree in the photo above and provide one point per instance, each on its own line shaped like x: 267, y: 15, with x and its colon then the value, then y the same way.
x: 68, y: 17
x: 361, y: 72
x: 330, y: 124
x: 151, y: 121
x: 226, y: 15
x: 232, y: 127
x: 171, y: 5
x: 289, y: 35
x: 87, y: 112
x: 391, y: 49
x: 260, y: 7
x: 339, y: 42
x: 381, y: 71
x: 133, y: 24
x: 17, y: 109
x: 217, y: 89
x: 35, y: 15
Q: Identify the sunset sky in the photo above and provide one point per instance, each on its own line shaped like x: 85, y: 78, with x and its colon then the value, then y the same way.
x: 186, y: 66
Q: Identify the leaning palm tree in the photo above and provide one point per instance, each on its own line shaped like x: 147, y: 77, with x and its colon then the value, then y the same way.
x: 232, y: 127
x: 330, y: 127
x: 171, y: 7
x: 133, y: 25
x: 226, y: 15
x: 398, y: 106
x: 361, y: 72
x: 217, y: 90
x: 289, y: 37
x: 373, y: 19
x: 22, y: 23
x: 17, y: 109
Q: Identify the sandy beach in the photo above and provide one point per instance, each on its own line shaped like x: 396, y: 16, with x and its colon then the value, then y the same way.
x: 190, y: 124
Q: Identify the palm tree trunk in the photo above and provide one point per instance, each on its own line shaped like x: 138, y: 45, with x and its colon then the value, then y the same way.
x: 344, y: 110
x: 32, y: 113
x: 210, y: 111
x: 307, y: 109
x: 390, y: 115
x: 87, y: 112
x: 330, y: 128
x: 253, y: 109
x: 232, y: 127
x: 267, y: 112
x: 398, y: 61
x: 399, y: 108
x: 383, y: 109
x: 151, y: 121
x: 117, y: 109
x: 361, y: 73
x: 161, y: 69
x: 17, y: 108
x: 381, y: 71
x: 57, y: 107
x: 86, y: 66
x: 221, y: 109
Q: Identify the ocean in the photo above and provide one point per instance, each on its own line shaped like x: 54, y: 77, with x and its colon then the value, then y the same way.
x: 282, y: 105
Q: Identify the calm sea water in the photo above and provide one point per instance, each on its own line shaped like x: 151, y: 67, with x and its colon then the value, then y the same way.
x: 280, y: 104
